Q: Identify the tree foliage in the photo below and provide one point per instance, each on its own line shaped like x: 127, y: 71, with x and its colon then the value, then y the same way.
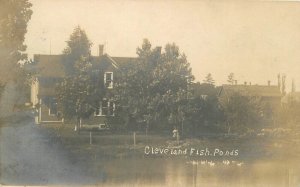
x: 79, y: 92
x: 14, y: 16
x: 82, y: 87
x: 289, y: 113
x: 78, y: 46
x: 154, y: 88
x: 231, y: 78
x: 209, y: 79
x: 203, y: 114
x: 242, y: 113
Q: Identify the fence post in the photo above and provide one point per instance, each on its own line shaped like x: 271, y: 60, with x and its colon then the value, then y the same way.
x: 91, y: 138
x: 134, y: 133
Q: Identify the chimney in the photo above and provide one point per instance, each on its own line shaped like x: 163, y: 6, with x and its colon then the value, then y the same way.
x: 101, y: 50
x: 279, y: 81
x: 269, y: 83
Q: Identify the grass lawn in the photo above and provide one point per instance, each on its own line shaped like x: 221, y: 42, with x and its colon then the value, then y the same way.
x: 108, y: 145
x: 104, y: 144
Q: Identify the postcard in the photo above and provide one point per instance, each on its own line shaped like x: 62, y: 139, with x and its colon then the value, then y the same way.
x: 149, y: 93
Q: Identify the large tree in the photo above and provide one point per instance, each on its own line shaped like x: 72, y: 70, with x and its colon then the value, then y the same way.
x: 243, y: 113
x: 14, y: 16
x: 78, y: 46
x: 81, y: 86
x: 153, y: 87
x: 78, y: 93
x: 203, y: 113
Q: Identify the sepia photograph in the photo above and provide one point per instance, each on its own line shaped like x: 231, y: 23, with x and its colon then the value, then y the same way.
x: 150, y: 93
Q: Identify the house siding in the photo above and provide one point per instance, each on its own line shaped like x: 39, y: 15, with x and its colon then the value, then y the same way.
x: 34, y: 92
x: 47, y: 78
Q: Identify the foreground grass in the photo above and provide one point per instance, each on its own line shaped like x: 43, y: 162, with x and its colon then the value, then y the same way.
x: 108, y: 145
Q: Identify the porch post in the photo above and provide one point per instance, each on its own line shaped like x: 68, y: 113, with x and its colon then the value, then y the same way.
x: 40, y: 111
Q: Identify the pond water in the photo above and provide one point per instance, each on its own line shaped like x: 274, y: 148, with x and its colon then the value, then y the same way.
x: 181, y: 172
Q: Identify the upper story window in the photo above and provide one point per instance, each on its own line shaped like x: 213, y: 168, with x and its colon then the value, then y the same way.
x: 108, y: 79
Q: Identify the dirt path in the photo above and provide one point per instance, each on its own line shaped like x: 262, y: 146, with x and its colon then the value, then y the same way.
x: 30, y: 155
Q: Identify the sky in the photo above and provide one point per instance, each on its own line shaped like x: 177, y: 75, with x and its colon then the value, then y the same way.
x: 255, y: 40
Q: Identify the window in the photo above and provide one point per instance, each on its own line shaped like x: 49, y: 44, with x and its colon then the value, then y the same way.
x: 204, y: 97
x: 108, y: 79
x: 53, y: 108
x: 105, y: 108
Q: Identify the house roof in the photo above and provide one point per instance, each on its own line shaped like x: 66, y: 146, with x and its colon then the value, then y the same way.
x: 49, y: 65
x: 123, y: 60
x: 52, y: 65
x: 254, y: 90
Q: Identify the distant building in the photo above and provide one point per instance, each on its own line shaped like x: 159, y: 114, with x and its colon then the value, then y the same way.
x: 203, y: 90
x: 50, y: 70
x: 269, y: 95
x: 291, y: 97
